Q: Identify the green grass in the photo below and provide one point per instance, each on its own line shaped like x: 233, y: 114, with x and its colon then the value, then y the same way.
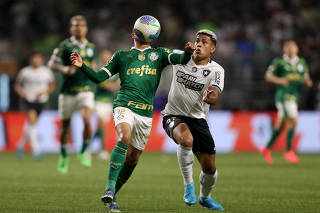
x: 246, y: 184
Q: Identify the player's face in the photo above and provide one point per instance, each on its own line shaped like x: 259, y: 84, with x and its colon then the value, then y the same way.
x: 290, y: 48
x: 79, y: 28
x: 36, y: 60
x: 204, y: 47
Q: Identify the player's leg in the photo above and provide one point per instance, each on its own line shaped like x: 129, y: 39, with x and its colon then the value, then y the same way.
x: 85, y: 102
x: 291, y: 121
x: 123, y: 120
x: 67, y: 105
x: 183, y: 137
x: 208, y: 178
x: 178, y: 130
x: 279, y: 125
x: 104, y: 113
x: 33, y: 132
x: 132, y: 158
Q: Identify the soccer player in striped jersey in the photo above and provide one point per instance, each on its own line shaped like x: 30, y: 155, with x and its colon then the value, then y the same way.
x: 139, y: 71
x: 195, y: 86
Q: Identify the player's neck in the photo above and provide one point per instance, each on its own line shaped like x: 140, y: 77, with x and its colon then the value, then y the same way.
x: 81, y: 40
x: 202, y: 62
x: 141, y: 46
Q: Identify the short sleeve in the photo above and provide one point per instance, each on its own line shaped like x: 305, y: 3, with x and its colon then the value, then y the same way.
x: 58, y: 52
x: 166, y: 53
x: 273, y: 67
x: 21, y: 74
x: 218, y: 79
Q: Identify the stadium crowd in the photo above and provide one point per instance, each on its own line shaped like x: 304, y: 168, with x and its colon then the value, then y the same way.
x: 250, y: 34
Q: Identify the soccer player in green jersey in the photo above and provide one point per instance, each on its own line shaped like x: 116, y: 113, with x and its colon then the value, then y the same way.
x: 139, y: 71
x: 77, y: 89
x: 288, y: 73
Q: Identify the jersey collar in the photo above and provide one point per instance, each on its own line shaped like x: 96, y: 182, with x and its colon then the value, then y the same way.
x: 291, y: 61
x: 76, y: 42
x: 192, y: 63
x: 140, y: 49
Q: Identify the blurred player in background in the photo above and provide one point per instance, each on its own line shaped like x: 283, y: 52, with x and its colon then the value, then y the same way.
x: 194, y: 88
x: 77, y: 90
x: 104, y: 95
x: 289, y: 73
x: 34, y: 84
x: 139, y: 71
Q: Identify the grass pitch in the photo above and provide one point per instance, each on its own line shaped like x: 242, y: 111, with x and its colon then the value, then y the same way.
x: 246, y: 184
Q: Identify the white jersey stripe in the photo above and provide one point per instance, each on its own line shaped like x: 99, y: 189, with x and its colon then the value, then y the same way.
x: 105, y: 69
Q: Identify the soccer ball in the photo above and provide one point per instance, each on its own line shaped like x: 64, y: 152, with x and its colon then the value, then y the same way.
x: 147, y: 28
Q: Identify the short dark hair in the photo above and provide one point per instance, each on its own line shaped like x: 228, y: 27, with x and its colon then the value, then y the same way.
x: 77, y: 18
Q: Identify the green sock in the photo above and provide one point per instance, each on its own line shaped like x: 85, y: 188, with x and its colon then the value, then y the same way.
x: 98, y: 134
x: 85, y: 144
x: 290, y: 135
x: 273, y: 138
x: 124, y: 175
x: 63, y: 151
x: 117, y: 159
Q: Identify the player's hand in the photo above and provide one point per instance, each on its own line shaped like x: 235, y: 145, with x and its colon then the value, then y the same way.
x: 283, y: 82
x: 207, y: 94
x: 189, y: 47
x: 76, y: 59
x: 309, y: 83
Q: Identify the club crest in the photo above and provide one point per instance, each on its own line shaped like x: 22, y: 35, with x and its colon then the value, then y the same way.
x: 206, y: 73
x: 141, y: 56
x: 153, y: 56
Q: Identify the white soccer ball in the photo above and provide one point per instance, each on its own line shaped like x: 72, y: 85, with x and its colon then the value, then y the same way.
x: 147, y: 28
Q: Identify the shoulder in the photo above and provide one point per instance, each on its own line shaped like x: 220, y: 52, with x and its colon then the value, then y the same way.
x: 277, y: 60
x: 302, y: 60
x: 91, y: 45
x: 162, y: 49
x: 215, y: 67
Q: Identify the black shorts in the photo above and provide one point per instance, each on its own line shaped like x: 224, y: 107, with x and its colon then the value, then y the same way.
x: 36, y: 106
x: 202, y: 138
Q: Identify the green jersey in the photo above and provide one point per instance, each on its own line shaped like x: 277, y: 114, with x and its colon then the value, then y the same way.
x: 294, y: 71
x: 78, y: 81
x: 139, y: 73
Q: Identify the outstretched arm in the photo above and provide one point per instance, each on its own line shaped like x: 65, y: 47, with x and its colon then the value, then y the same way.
x: 182, y: 57
x: 96, y: 77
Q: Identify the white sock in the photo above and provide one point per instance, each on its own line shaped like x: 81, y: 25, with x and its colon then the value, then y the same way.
x: 33, y: 136
x: 207, y: 182
x: 185, y: 159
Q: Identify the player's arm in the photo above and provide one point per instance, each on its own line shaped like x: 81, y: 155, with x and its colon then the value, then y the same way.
x: 211, y: 95
x: 18, y: 89
x: 101, y: 75
x: 180, y: 57
x: 271, y: 76
x: 55, y: 63
x: 306, y: 78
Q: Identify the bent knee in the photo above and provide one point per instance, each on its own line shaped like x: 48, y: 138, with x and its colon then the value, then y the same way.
x: 125, y: 138
x: 186, y: 141
x: 209, y: 169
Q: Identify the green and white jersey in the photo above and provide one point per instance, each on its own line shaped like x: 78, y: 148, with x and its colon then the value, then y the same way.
x: 139, y: 73
x: 295, y: 71
x: 78, y: 81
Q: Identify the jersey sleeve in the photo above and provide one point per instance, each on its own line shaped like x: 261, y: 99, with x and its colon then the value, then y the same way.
x: 218, y: 79
x: 58, y: 53
x: 21, y: 75
x: 104, y: 72
x: 273, y: 67
x: 175, y: 56
x: 113, y: 65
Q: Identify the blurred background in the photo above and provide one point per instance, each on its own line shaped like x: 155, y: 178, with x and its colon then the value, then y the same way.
x: 250, y: 34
